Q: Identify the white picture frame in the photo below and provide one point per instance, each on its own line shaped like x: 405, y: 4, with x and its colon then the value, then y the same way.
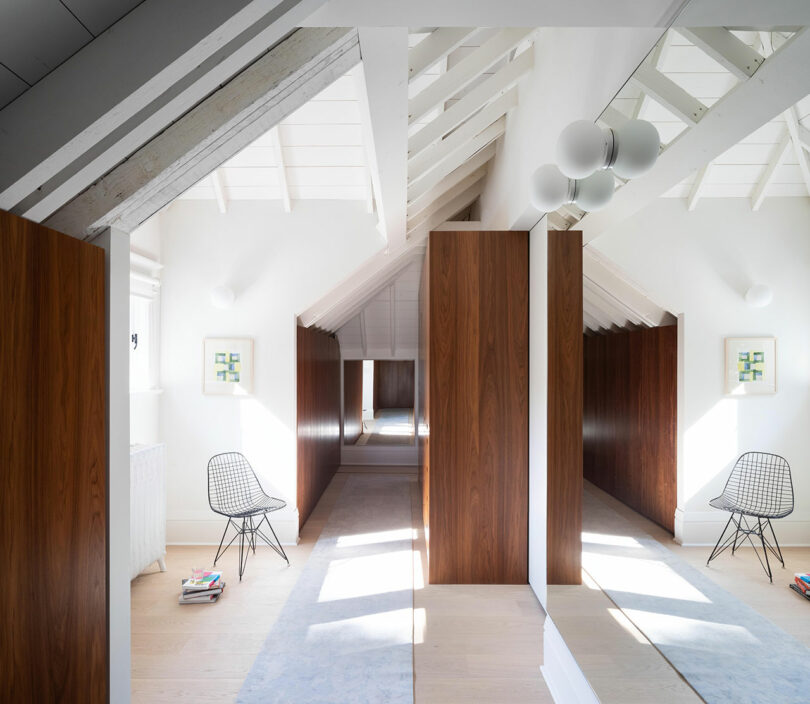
x: 228, y: 366
x: 750, y: 366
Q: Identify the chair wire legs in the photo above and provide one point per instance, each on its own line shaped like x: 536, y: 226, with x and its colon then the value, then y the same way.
x: 740, y: 531
x: 246, y: 533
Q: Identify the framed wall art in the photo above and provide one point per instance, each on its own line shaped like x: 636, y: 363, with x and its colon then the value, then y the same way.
x: 750, y: 365
x: 228, y: 366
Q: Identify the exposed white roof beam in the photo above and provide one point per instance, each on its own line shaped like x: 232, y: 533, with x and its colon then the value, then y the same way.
x: 488, y: 89
x: 223, y: 124
x: 363, y: 337
x: 456, y: 158
x: 777, y: 156
x: 731, y: 53
x: 441, y: 199
x: 429, y: 158
x: 597, y: 314
x: 384, y: 110
x: 465, y: 72
x: 590, y: 323
x: 655, y: 59
x: 435, y: 47
x: 698, y: 186
x: 428, y: 192
x: 804, y: 136
x: 620, y: 313
x: 669, y: 94
x: 793, y: 130
x: 158, y: 62
x: 781, y: 81
x: 447, y: 211
x: 275, y: 138
x: 219, y: 191
x: 392, y: 321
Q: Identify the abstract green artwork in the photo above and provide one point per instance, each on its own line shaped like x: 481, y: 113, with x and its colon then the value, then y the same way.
x: 750, y: 366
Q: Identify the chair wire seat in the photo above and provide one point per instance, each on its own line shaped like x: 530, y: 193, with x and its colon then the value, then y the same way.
x: 234, y: 491
x: 759, y: 487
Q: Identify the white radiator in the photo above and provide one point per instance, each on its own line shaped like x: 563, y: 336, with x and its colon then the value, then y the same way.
x: 147, y: 517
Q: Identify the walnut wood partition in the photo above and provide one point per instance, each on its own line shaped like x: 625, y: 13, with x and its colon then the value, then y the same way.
x: 630, y: 421
x: 565, y: 399
x: 474, y: 304
x: 318, y: 416
x: 393, y: 384
x: 53, y: 515
x: 352, y: 400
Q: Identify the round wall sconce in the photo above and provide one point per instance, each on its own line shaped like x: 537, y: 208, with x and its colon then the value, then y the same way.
x: 222, y: 296
x: 759, y: 296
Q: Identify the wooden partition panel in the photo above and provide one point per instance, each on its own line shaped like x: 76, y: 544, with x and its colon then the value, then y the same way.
x: 423, y: 408
x: 476, y: 482
x: 352, y: 400
x: 565, y: 390
x: 393, y: 384
x: 53, y: 477
x: 318, y: 416
x: 630, y: 421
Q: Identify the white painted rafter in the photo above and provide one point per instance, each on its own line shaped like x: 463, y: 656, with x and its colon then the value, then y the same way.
x: 792, y: 123
x: 669, y: 94
x: 447, y: 211
x: 278, y: 152
x: 363, y: 333
x: 656, y: 60
x: 465, y: 72
x: 219, y: 191
x: 777, y: 157
x: 489, y: 89
x: 434, y: 48
x: 440, y: 199
x: 698, y: 186
x: 731, y: 53
x: 392, y: 322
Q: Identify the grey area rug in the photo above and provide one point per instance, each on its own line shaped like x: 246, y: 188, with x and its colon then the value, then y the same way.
x: 345, y: 634
x: 725, y: 650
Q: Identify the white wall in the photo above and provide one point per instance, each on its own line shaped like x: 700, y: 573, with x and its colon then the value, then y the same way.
x: 700, y: 264
x: 278, y: 264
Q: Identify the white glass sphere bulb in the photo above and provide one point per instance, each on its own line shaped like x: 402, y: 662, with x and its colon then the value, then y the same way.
x: 594, y: 192
x: 636, y: 145
x: 222, y: 296
x: 581, y: 149
x: 549, y: 189
x: 758, y: 296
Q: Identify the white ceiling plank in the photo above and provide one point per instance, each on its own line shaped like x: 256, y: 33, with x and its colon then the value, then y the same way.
x: 427, y: 196
x: 230, y: 119
x: 779, y: 83
x: 440, y: 199
x: 456, y: 158
x: 429, y: 158
x: 282, y: 169
x: 384, y: 111
x: 595, y: 312
x: 669, y: 94
x: 777, y: 156
x: 590, y: 323
x: 193, y: 48
x: 462, y: 200
x: 434, y: 48
x: 726, y: 49
x: 620, y: 313
x: 698, y: 187
x: 801, y: 155
x: 606, y: 306
x: 219, y: 191
x: 459, y: 76
x: 490, y: 88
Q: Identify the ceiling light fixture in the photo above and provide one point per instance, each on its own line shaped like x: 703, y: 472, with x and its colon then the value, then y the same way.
x: 550, y: 189
x: 759, y: 296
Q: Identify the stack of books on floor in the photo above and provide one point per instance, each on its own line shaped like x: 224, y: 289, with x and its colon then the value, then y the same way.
x: 202, y: 591
x: 801, y: 584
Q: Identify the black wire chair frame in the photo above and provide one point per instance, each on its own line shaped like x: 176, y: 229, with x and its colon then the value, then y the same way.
x: 234, y: 491
x: 759, y: 487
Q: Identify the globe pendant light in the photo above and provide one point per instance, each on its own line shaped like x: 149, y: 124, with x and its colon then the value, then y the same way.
x: 594, y: 193
x: 549, y: 189
x: 582, y: 148
x: 635, y: 149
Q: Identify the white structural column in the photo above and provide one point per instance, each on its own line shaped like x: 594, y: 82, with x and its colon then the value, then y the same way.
x: 116, y: 247
x: 384, y: 112
x: 434, y: 48
x: 223, y: 124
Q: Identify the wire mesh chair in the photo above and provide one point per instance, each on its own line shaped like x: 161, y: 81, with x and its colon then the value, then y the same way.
x: 235, y: 492
x: 760, y: 487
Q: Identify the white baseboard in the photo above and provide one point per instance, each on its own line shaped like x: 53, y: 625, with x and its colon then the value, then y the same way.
x: 702, y: 528
x: 564, y: 678
x: 208, y: 531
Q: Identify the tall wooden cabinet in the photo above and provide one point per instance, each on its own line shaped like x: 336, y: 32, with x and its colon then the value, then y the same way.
x: 473, y: 406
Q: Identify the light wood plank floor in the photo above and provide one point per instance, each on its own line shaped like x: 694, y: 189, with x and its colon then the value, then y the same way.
x: 472, y: 643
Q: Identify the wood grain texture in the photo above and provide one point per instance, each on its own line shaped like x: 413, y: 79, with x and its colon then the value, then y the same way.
x: 476, y: 485
x: 423, y: 401
x: 565, y: 400
x: 630, y: 419
x: 393, y: 383
x: 318, y: 424
x: 352, y: 400
x: 53, y: 611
